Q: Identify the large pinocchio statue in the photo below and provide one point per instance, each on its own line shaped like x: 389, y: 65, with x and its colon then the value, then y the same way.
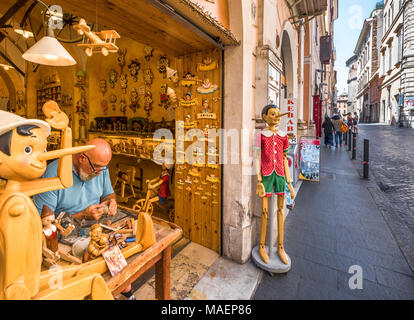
x: 272, y: 169
x: 23, y: 158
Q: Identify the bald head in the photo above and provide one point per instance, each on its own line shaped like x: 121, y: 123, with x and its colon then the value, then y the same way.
x: 102, y: 154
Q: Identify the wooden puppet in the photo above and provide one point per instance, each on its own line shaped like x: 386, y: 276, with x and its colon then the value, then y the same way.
x: 207, y: 87
x: 124, y: 82
x: 162, y: 65
x: 148, y: 52
x: 148, y: 102
x: 122, y: 107
x: 102, y: 86
x: 104, y: 106
x: 113, y: 77
x: 207, y: 65
x: 112, y: 99
x: 164, y: 99
x: 272, y: 170
x: 125, y: 177
x: 133, y: 69
x: 23, y: 159
x: 172, y: 75
x: 148, y: 76
x: 98, y: 243
x: 51, y: 252
x: 121, y: 58
x: 134, y: 100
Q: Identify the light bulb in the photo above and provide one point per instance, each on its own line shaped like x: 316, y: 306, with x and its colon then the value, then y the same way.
x: 51, y: 57
x: 6, y: 67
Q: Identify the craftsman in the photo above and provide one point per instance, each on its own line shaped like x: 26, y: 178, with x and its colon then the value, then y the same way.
x: 91, y: 191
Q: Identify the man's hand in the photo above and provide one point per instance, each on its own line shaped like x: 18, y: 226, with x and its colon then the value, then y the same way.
x: 113, y: 207
x: 93, y: 212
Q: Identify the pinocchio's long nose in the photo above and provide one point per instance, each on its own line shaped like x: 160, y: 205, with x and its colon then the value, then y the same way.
x: 63, y: 152
x: 282, y: 114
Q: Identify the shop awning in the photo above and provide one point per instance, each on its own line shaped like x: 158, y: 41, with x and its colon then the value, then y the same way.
x: 202, y: 19
x: 300, y: 9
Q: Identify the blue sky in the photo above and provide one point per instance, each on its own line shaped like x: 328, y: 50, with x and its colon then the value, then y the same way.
x: 351, y: 16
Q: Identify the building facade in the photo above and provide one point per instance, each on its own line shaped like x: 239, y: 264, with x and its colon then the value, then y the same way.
x: 351, y: 63
x: 367, y: 54
x: 342, y: 104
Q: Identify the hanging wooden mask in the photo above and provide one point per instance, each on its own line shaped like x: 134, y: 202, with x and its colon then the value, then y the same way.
x: 133, y: 69
x: 134, y: 100
x: 148, y: 102
x: 162, y: 65
x: 112, y: 99
x: 123, y: 106
x: 113, y: 77
x: 124, y: 82
x: 102, y: 86
x: 148, y: 52
x: 104, y: 105
x: 148, y: 76
x: 121, y: 58
x: 164, y: 99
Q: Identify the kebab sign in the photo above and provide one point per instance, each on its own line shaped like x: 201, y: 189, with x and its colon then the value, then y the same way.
x: 291, y: 121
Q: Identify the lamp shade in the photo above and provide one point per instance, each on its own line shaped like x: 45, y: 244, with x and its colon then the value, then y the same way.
x: 50, y: 52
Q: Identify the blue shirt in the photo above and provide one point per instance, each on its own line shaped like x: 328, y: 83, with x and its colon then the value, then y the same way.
x: 76, y: 198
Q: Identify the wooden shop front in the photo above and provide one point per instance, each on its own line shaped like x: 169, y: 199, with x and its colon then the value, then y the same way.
x: 126, y: 96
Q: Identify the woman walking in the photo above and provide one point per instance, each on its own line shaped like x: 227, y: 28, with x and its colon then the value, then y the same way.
x: 328, y: 130
x: 337, y: 124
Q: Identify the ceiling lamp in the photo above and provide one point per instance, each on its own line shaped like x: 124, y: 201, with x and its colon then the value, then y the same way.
x: 49, y: 51
x: 24, y: 33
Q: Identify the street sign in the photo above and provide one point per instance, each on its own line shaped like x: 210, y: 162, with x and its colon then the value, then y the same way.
x: 409, y: 102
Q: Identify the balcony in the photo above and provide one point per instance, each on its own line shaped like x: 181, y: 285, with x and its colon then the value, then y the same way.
x: 300, y: 9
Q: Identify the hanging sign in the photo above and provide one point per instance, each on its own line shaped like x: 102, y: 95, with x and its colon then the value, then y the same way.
x: 291, y: 126
x: 409, y: 102
x: 317, y: 115
x: 309, y: 158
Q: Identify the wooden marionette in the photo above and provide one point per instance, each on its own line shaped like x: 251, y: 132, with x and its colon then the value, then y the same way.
x: 172, y: 75
x: 148, y: 76
x: 133, y: 69
x: 98, y: 243
x: 207, y: 87
x: 102, y: 86
x: 104, y: 105
x: 164, y: 99
x: 134, y: 100
x: 121, y: 58
x: 162, y: 65
x: 207, y: 65
x: 51, y: 252
x: 122, y: 106
x: 148, y: 52
x: 112, y: 99
x: 23, y: 159
x: 124, y: 82
x: 113, y: 77
x: 148, y: 102
x: 272, y: 170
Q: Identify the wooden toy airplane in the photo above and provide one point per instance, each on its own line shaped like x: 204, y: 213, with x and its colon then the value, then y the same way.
x: 103, y: 41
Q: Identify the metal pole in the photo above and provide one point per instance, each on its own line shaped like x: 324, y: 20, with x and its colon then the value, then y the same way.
x: 353, y: 145
x: 346, y: 138
x: 349, y: 139
x: 366, y: 159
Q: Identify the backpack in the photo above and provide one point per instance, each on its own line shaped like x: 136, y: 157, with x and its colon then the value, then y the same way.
x: 344, y: 127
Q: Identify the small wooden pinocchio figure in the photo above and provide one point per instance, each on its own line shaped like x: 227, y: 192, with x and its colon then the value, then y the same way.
x: 272, y: 170
x: 51, y: 252
x: 161, y: 182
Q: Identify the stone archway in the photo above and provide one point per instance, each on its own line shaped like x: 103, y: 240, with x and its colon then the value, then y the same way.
x: 10, y: 87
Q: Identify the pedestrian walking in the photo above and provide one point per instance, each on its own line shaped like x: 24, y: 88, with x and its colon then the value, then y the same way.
x: 355, y: 122
x: 337, y: 124
x: 328, y: 130
x: 350, y: 121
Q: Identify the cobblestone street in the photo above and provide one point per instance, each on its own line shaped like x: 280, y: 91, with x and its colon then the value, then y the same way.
x: 391, y: 157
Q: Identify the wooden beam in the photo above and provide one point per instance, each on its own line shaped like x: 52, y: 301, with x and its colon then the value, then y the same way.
x: 10, y: 13
x: 11, y: 63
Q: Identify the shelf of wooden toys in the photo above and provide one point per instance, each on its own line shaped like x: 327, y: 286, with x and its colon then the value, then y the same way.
x: 159, y: 254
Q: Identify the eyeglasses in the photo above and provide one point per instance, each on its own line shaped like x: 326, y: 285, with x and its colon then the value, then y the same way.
x: 93, y: 168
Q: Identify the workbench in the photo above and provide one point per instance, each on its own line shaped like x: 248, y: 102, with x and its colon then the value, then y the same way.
x: 159, y: 254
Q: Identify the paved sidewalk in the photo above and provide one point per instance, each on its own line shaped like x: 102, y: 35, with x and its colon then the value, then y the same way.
x: 335, y: 225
